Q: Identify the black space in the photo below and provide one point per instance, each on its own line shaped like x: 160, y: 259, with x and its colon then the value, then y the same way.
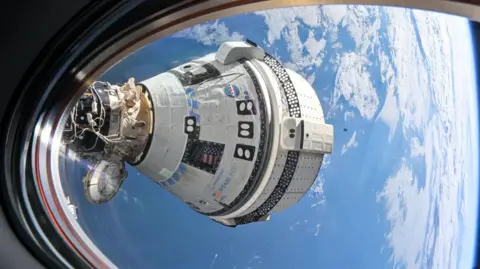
x: 475, y: 26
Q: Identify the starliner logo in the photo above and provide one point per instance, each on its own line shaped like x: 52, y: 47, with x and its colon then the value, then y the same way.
x: 218, y: 194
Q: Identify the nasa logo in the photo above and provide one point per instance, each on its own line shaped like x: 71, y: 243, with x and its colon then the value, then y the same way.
x: 218, y: 194
x: 225, y: 184
x: 231, y: 91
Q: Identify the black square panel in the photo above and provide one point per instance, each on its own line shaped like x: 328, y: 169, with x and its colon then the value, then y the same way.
x: 244, y: 152
x: 246, y: 107
x: 245, y: 129
x: 190, y: 124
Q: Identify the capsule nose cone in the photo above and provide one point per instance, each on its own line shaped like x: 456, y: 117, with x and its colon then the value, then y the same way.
x: 103, y: 181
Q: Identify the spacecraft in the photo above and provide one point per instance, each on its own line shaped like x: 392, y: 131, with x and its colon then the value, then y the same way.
x: 234, y: 134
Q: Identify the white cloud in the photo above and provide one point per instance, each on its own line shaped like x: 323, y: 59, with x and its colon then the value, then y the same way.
x: 389, y: 113
x: 305, y: 227
x: 317, y: 230
x: 294, y: 225
x: 304, y: 55
x: 416, y: 148
x: 124, y: 193
x: 210, y: 33
x: 353, y: 83
x: 327, y: 160
x: 348, y: 115
x: 428, y: 215
x: 313, y: 46
x: 335, y: 12
x: 326, y: 17
x: 316, y: 192
x: 426, y: 221
x: 358, y: 21
x: 278, y: 19
x: 411, y: 79
x: 352, y: 143
x: 408, y: 224
x: 315, y: 49
x: 255, y: 261
x: 311, y: 78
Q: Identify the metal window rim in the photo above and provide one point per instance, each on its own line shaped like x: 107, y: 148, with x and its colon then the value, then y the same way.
x: 83, y: 65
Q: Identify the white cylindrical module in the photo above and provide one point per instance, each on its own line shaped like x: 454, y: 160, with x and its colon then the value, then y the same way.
x: 236, y: 136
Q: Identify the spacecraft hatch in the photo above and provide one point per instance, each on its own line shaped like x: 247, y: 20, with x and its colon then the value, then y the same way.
x: 233, y: 134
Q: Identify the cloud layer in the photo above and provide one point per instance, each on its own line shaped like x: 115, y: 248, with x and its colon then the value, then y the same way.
x: 211, y: 33
x: 417, y: 71
x: 352, y: 143
x: 353, y: 84
x: 426, y: 227
x: 426, y: 101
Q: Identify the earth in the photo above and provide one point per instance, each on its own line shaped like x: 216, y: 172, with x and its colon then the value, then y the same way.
x: 399, y: 190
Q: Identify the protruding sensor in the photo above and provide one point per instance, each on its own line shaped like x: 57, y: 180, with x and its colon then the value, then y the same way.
x: 234, y: 134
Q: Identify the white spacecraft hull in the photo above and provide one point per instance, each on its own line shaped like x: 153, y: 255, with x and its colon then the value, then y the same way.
x: 236, y: 136
x: 233, y: 134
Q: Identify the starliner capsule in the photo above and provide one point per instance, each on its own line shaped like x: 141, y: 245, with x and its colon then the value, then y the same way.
x: 234, y: 134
